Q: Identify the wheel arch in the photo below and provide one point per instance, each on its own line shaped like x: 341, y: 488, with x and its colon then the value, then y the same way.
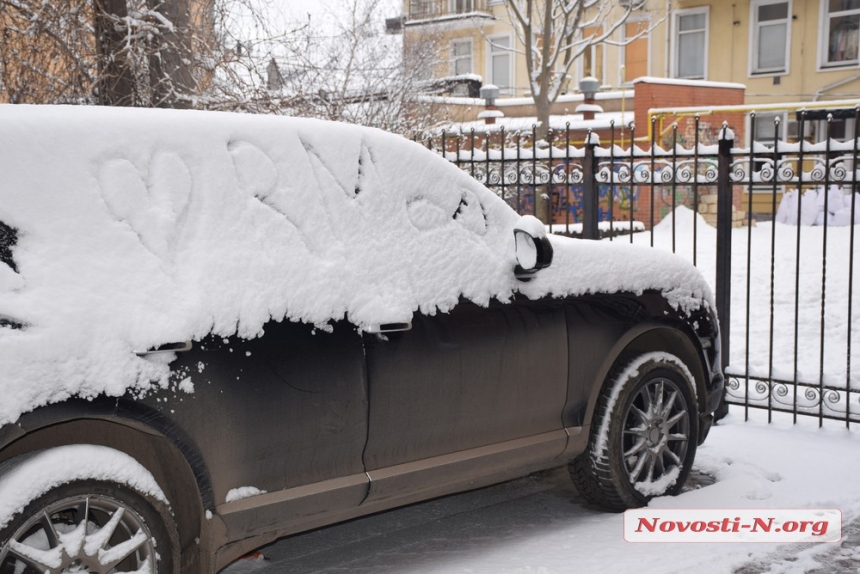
x: 668, y: 337
x: 148, y: 437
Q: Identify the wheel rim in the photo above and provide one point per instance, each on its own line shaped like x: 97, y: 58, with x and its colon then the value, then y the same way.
x: 81, y: 534
x: 656, y: 432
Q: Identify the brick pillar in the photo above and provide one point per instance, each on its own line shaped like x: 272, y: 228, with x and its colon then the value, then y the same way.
x: 659, y: 93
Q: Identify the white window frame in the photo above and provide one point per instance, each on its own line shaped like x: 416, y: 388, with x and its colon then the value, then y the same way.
x: 452, y: 6
x: 580, y: 64
x: 622, y: 56
x: 783, y: 126
x: 454, y: 58
x: 504, y: 90
x: 676, y: 18
x: 824, y: 40
x: 421, y: 8
x: 763, y: 188
x: 755, y: 37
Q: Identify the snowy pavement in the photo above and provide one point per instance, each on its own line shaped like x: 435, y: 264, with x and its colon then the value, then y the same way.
x: 538, y: 524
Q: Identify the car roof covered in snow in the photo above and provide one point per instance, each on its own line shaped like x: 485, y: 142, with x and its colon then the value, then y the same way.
x: 141, y: 227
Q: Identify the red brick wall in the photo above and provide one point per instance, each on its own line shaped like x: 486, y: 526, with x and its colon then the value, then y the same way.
x: 653, y: 95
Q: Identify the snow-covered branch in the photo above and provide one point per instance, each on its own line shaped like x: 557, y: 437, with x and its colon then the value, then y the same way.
x: 236, y: 55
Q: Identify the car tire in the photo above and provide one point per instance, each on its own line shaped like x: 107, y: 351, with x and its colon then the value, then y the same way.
x: 642, y: 440
x: 46, y: 535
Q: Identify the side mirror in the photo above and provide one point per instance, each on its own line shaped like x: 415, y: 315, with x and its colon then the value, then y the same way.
x: 533, y: 249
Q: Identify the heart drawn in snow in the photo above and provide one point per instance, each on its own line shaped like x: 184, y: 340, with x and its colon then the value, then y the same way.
x: 151, y: 202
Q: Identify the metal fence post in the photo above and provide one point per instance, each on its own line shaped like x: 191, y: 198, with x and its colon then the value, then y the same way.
x: 724, y: 237
x: 589, y: 189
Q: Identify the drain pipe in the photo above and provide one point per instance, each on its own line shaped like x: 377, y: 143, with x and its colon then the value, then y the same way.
x: 666, y: 67
x: 819, y: 92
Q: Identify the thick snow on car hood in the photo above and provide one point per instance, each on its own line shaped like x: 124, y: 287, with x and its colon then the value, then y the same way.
x: 142, y: 227
x: 581, y: 267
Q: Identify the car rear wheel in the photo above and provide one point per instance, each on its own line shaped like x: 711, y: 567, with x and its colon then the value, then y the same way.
x: 89, y: 526
x: 643, y: 436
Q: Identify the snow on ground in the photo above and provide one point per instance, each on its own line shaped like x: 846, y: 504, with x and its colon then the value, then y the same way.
x: 808, y: 299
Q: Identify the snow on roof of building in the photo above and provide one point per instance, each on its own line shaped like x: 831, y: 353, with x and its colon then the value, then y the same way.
x: 601, y: 121
x: 527, y: 101
x: 685, y: 82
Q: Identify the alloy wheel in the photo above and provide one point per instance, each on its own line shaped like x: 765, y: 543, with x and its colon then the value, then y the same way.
x: 656, y: 432
x: 91, y: 533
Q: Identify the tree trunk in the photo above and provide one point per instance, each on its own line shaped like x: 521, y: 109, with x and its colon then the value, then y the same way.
x: 170, y: 66
x: 116, y: 85
x: 543, y: 205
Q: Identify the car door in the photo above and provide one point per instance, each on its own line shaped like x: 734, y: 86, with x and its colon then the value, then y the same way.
x: 284, y: 413
x: 464, y: 397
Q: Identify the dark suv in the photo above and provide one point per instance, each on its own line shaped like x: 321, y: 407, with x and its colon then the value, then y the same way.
x: 217, y: 330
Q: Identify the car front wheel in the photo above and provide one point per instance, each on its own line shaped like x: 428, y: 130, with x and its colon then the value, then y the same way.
x: 643, y: 436
x: 89, y: 526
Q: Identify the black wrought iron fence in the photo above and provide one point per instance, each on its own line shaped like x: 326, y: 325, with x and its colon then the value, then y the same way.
x: 587, y: 190
x: 783, y: 284
x: 802, y: 362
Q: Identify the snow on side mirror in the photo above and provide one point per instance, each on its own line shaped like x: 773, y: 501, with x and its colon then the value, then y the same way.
x: 533, y: 249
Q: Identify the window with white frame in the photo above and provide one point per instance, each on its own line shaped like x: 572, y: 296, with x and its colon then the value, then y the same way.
x: 499, y: 66
x: 422, y: 8
x: 840, y: 29
x: 592, y: 61
x: 635, y: 52
x: 767, y: 128
x: 691, y: 43
x: 461, y: 6
x: 770, y: 36
x: 461, y: 57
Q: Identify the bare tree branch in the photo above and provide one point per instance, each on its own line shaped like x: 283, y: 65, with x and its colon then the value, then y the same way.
x: 213, y: 54
x: 553, y: 36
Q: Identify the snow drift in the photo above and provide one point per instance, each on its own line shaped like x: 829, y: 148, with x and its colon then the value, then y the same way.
x: 838, y: 207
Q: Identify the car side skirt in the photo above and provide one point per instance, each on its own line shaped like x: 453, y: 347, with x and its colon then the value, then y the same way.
x: 254, y: 521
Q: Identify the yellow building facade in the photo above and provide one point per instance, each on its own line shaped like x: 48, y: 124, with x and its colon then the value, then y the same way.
x: 782, y: 50
x: 790, y: 54
x: 476, y: 37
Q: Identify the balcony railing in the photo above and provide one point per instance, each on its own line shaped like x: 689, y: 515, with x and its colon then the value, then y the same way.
x: 444, y: 9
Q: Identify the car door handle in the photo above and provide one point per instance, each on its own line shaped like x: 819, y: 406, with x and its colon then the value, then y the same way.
x: 168, y: 348
x: 383, y: 328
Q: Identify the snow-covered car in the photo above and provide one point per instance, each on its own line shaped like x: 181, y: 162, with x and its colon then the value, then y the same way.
x: 217, y: 330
